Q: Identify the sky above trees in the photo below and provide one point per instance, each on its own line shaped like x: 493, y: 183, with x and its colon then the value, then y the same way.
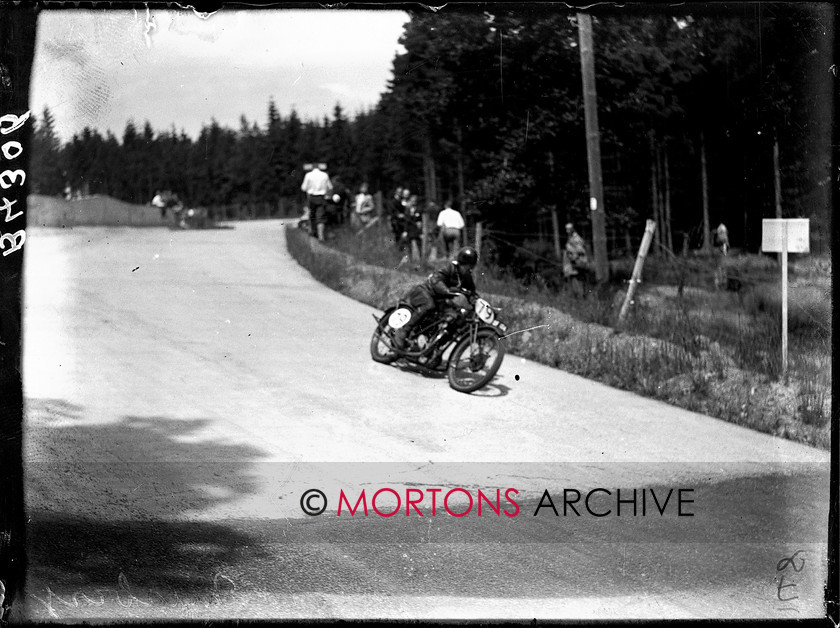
x: 177, y: 68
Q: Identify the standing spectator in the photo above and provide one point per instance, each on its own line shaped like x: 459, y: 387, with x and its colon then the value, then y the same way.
x: 159, y: 202
x: 364, y: 206
x: 396, y: 214
x: 575, y: 259
x: 722, y: 238
x: 450, y: 225
x: 317, y: 185
x: 413, y: 226
x: 339, y: 201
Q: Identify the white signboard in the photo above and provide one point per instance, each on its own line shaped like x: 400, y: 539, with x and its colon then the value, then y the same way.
x: 772, y: 230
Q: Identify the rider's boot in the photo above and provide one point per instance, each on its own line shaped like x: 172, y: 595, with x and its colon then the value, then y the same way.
x: 401, y: 334
x: 434, y: 360
x: 399, y: 339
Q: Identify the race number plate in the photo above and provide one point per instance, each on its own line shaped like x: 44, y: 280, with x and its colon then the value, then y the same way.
x: 399, y: 317
x: 484, y: 311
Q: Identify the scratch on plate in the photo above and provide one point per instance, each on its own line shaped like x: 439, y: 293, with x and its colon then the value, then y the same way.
x: 300, y: 76
x: 150, y: 24
x: 204, y: 15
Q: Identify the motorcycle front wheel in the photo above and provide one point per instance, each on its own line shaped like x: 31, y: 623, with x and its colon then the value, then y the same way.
x: 473, y: 365
x: 381, y: 349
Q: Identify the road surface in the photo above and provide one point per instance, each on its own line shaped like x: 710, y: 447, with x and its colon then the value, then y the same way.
x: 183, y: 390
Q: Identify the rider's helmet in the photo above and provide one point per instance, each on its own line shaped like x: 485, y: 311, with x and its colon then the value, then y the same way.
x: 467, y: 256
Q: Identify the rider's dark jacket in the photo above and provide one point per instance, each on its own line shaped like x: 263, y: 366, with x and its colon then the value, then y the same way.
x: 427, y: 296
x: 441, y: 282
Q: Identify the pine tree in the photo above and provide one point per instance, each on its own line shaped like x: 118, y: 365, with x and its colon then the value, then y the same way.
x: 46, y: 170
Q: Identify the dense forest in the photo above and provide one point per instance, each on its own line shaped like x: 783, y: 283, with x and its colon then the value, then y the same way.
x: 486, y: 107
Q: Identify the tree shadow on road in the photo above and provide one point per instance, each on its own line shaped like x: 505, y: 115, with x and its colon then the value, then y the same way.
x: 102, y: 502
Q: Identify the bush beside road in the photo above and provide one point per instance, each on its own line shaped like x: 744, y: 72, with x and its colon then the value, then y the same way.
x: 703, y: 376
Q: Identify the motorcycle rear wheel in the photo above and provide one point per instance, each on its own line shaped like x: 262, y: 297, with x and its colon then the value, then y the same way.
x: 473, y: 366
x: 381, y: 349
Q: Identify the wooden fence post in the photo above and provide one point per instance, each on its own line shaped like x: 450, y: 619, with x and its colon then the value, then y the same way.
x: 650, y: 227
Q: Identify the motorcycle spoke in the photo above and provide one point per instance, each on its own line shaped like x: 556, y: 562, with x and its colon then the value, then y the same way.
x: 476, y: 360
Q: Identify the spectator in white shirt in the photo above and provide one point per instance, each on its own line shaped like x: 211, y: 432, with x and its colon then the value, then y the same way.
x: 317, y: 185
x: 450, y: 224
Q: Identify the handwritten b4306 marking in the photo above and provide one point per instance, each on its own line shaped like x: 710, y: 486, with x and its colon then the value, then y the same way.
x: 11, y: 150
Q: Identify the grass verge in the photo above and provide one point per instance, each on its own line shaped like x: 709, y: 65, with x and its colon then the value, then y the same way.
x: 671, y: 349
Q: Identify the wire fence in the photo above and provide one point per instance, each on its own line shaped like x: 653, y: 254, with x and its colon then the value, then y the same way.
x: 683, y: 270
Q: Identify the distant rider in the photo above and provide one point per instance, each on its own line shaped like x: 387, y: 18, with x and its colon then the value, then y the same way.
x: 439, y: 286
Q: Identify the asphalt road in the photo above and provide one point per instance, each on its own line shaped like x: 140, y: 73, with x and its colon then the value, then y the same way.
x: 183, y: 389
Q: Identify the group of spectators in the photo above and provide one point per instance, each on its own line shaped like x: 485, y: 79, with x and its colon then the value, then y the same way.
x: 166, y: 201
x: 328, y: 202
x: 406, y: 219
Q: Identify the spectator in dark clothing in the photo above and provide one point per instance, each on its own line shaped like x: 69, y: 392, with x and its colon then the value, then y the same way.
x: 396, y: 214
x: 413, y: 226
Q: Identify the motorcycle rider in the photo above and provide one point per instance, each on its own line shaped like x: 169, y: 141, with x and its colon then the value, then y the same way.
x: 428, y: 295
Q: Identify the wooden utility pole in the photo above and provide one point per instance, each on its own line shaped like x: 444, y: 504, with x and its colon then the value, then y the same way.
x: 593, y: 144
x: 707, y: 226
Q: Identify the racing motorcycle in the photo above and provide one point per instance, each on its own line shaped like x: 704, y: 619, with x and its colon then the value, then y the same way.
x: 463, y: 341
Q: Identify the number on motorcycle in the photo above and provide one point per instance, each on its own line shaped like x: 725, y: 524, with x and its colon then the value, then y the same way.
x: 399, y: 318
x: 484, y: 311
